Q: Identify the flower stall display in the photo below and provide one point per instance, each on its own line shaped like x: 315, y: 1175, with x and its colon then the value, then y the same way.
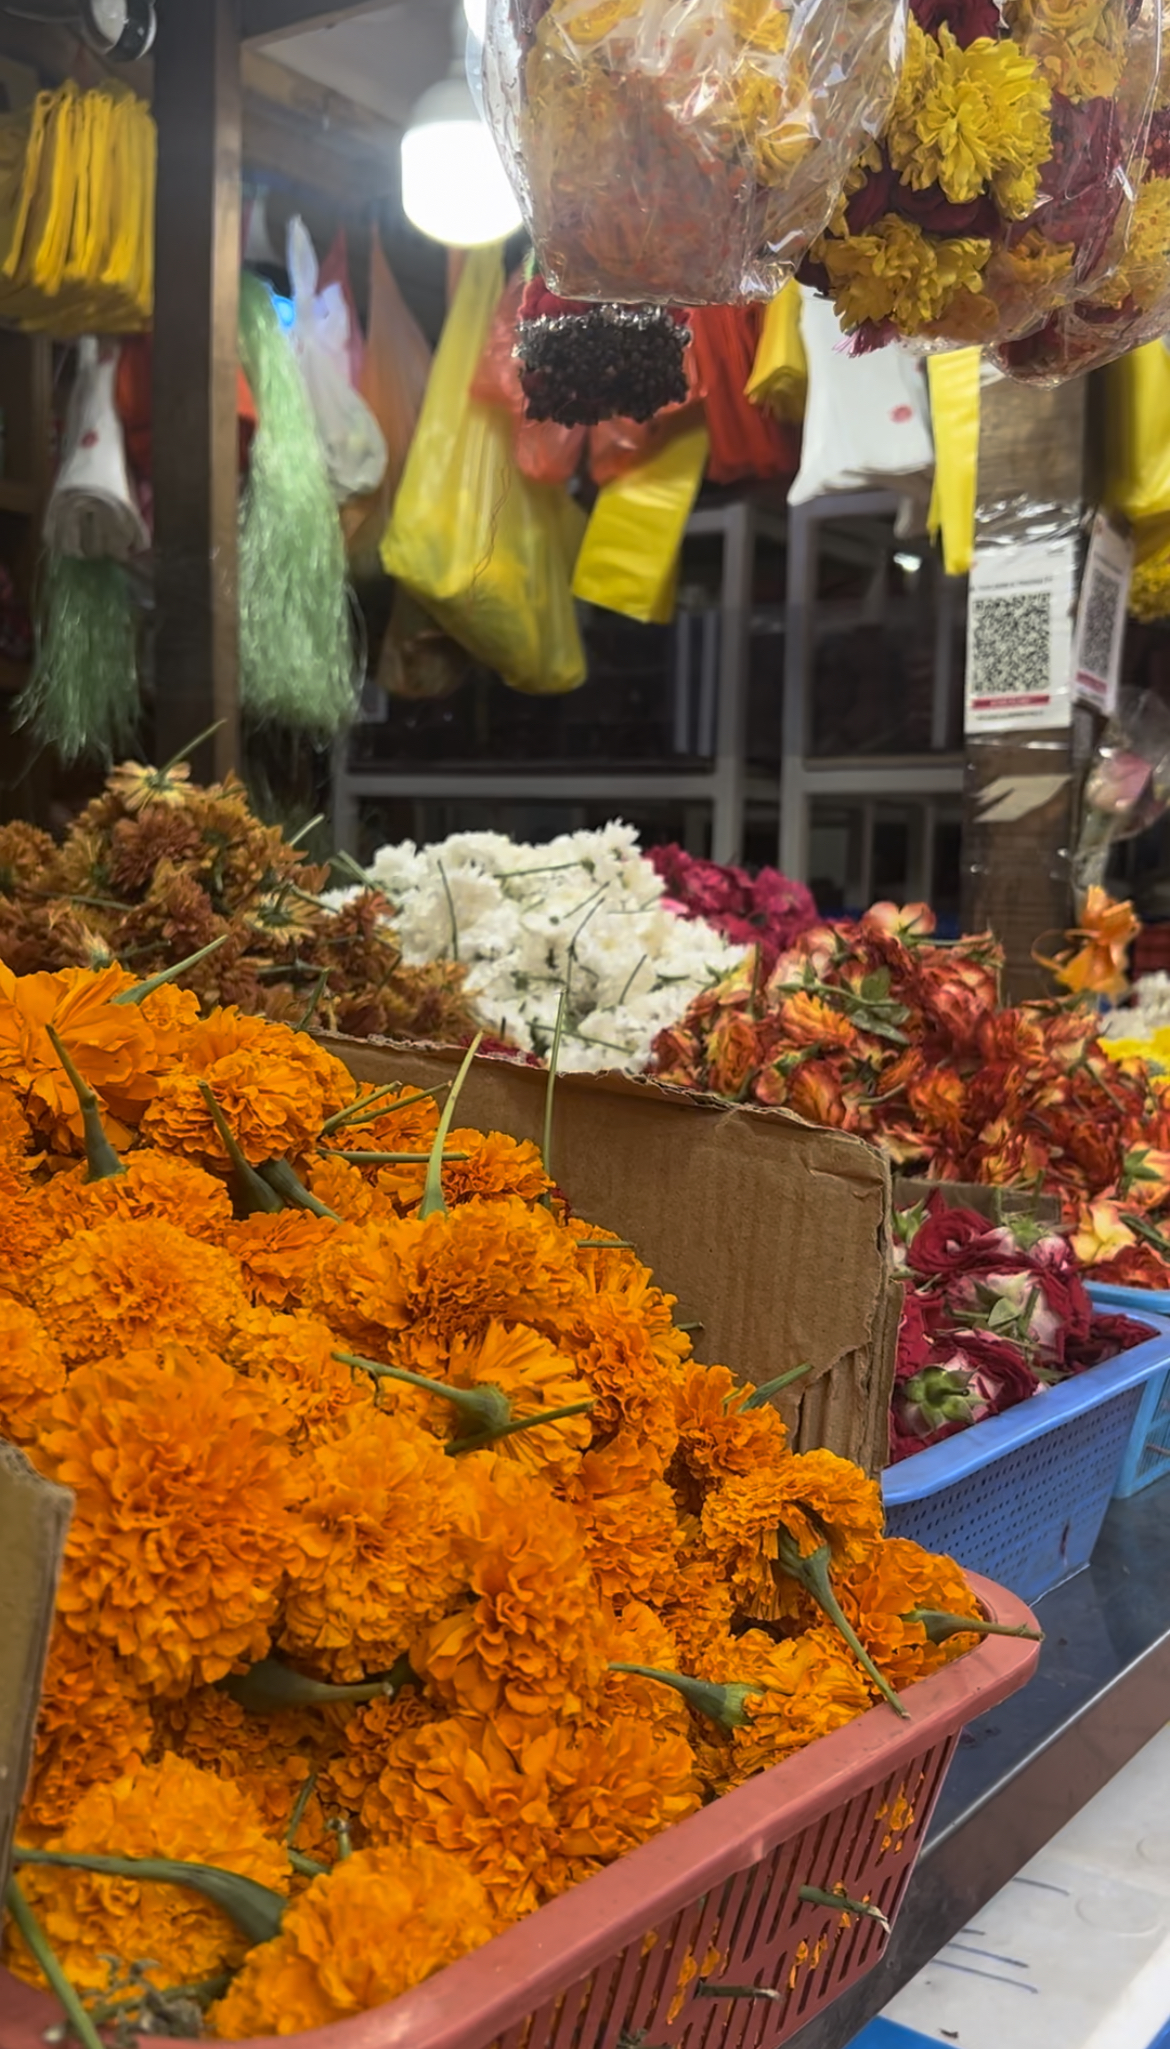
x: 156, y: 870
x: 995, y: 1313
x: 417, y: 1570
x: 683, y: 156
x: 1003, y: 181
x: 584, y: 913
x: 764, y: 910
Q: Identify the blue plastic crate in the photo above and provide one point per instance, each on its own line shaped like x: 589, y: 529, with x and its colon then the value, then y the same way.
x: 883, y: 2034
x: 1147, y: 1455
x: 1021, y: 1497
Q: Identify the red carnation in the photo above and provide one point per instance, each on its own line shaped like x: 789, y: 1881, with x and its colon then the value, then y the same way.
x: 967, y: 20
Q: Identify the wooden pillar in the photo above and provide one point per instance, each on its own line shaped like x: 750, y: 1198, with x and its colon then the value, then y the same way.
x: 1017, y: 837
x: 197, y: 103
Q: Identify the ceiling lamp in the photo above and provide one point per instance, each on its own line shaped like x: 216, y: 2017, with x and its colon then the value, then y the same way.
x: 122, y: 30
x: 454, y: 187
x: 476, y: 12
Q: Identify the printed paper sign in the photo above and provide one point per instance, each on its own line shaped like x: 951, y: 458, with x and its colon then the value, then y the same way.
x: 1100, y: 635
x: 1019, y: 637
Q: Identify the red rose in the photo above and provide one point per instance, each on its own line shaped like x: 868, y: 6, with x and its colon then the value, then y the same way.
x: 966, y: 19
x: 1083, y: 192
x: 959, y: 1241
x: 935, y: 214
x: 1001, y: 1377
x: 1108, y: 1335
x: 871, y: 200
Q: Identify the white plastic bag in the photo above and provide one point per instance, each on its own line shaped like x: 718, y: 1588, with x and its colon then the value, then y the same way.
x: 92, y: 511
x: 355, y: 450
x: 867, y: 422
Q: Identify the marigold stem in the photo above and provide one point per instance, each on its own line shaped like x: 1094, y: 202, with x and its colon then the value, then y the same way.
x: 389, y: 1159
x: 279, y: 1176
x: 486, y: 1406
x: 432, y: 1203
x: 770, y: 1387
x: 725, y: 1705
x: 102, y: 1161
x: 44, y: 1954
x: 518, y: 1423
x: 940, y: 1627
x: 189, y: 748
x: 814, y: 1897
x: 306, y: 1019
x: 298, y: 1814
x: 812, y: 1573
x: 256, y: 1911
x: 368, y: 1108
x: 605, y: 1245
x: 551, y: 1083
x: 255, y: 1194
x: 267, y: 1688
x: 142, y: 990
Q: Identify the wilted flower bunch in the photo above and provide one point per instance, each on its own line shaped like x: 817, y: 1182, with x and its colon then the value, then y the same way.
x: 583, y: 912
x: 994, y: 1313
x: 156, y: 868
x: 417, y: 1570
x: 764, y: 910
x: 990, y: 199
x: 874, y: 1027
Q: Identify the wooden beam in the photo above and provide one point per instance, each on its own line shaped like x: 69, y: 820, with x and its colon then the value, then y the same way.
x: 265, y: 21
x: 196, y: 481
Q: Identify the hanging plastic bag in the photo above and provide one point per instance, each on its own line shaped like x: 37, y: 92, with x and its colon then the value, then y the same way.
x: 546, y: 453
x: 355, y: 451
x: 487, y: 554
x: 419, y: 662
x: 779, y: 378
x: 745, y: 442
x: 629, y: 557
x: 335, y: 271
x: 395, y: 368
x: 867, y: 426
x: 92, y: 511
x: 1006, y: 171
x: 1137, y: 434
x: 683, y: 155
x: 955, y: 411
x: 133, y: 398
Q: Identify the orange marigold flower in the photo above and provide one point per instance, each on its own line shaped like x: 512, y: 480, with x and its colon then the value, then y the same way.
x: 815, y: 1498
x: 697, y: 1611
x: 532, y: 1633
x: 135, y: 1281
x: 93, y: 1726
x: 269, y: 1756
x: 384, y: 1513
x: 294, y: 1357
x: 112, y: 1045
x: 156, y: 1186
x: 181, y: 1533
x: 532, y: 1375
x: 169, y: 1809
x: 346, y: 1191
x: 634, y: 1390
x: 359, y: 1937
x: 639, y: 1637
x: 15, y: 1137
x: 495, y: 1165
x: 628, y: 1521
x: 275, y: 1087
x: 411, y: 1283
x: 31, y: 1371
x: 615, y: 1786
x: 718, y: 1436
x: 275, y: 1254
x: 358, y: 1752
x: 27, y: 1233
x: 881, y: 1593
x: 809, y: 1686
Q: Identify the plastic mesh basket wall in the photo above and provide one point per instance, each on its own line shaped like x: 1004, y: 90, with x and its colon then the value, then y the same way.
x: 1147, y: 1455
x: 1022, y: 1497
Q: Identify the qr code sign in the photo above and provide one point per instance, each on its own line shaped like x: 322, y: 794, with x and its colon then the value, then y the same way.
x: 1011, y: 645
x: 1099, y: 625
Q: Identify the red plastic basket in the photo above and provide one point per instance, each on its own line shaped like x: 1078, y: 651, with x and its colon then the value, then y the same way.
x: 633, y: 1958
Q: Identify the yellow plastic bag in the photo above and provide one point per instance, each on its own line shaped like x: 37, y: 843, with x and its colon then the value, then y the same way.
x: 1137, y: 438
x: 779, y: 378
x: 955, y: 412
x: 487, y: 554
x: 629, y: 557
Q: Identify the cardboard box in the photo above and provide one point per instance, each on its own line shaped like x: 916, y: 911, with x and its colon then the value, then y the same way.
x: 34, y: 1517
x: 976, y: 1195
x: 772, y: 1233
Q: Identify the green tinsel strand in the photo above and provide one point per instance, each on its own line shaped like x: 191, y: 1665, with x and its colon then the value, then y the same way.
x: 298, y: 654
x: 82, y: 697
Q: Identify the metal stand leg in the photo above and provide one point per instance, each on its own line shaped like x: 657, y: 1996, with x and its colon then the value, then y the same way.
x: 734, y: 667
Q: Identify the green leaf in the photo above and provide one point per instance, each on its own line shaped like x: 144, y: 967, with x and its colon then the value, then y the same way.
x: 433, y: 1203
x: 256, y: 1911
x: 142, y: 990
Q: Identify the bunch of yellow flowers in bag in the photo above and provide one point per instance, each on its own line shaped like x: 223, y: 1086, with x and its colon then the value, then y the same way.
x: 417, y: 1570
x: 77, y: 185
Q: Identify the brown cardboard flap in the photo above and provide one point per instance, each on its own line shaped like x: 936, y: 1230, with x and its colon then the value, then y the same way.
x: 772, y: 1232
x: 34, y: 1518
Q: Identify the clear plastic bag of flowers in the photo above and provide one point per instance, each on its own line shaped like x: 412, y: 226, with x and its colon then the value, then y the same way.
x: 684, y: 152
x: 1002, y: 187
x: 1131, y: 305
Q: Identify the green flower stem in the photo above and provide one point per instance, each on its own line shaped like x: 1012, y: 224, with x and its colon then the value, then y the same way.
x: 814, y: 1897
x: 308, y: 1867
x: 208, y: 733
x: 605, y: 1245
x: 389, y: 1159
x: 368, y: 1108
x: 43, y: 1953
x: 269, y: 1687
x: 432, y: 1204
x: 256, y: 1911
x: 292, y: 1192
x: 705, y: 1990
x: 812, y: 1573
x: 551, y: 1083
x: 770, y: 1387
x: 101, y: 1159
x: 306, y: 1019
x: 255, y: 1194
x: 485, y: 1409
x: 940, y: 1627
x: 518, y: 1424
x: 298, y: 1814
x: 142, y: 990
x: 725, y: 1705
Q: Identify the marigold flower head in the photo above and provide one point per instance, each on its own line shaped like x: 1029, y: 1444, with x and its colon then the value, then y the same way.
x: 639, y: 1637
x: 809, y: 1686
x: 31, y: 1371
x: 360, y: 1740
x: 628, y: 1521
x: 275, y: 1253
x: 345, y: 1190
x: 155, y: 1187
x: 133, y: 1281
x: 170, y: 1809
x: 181, y: 1533
x: 93, y: 1726
x: 881, y: 1593
x: 532, y: 1375
x: 275, y: 1088
x: 697, y: 1610
x: 15, y: 1136
x: 633, y: 1389
x: 112, y: 1046
x: 384, y: 1514
x: 376, y: 1925
x: 531, y: 1635
x: 268, y: 1756
x: 815, y: 1498
x: 294, y: 1359
x: 718, y: 1436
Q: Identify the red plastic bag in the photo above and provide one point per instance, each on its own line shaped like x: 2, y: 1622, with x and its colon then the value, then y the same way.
x: 545, y: 453
x: 132, y: 396
x: 746, y: 441
x: 335, y: 271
